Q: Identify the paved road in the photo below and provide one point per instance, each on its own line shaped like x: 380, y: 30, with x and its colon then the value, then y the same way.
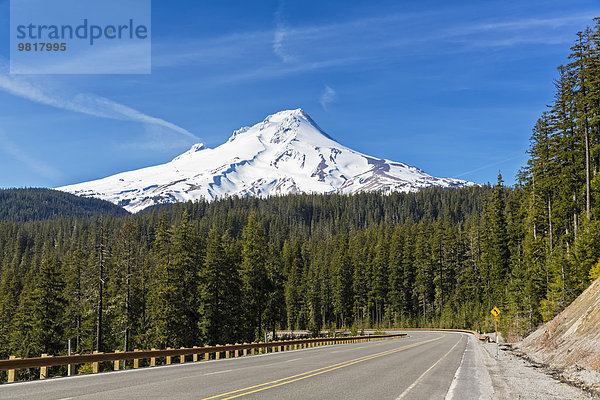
x: 423, y: 365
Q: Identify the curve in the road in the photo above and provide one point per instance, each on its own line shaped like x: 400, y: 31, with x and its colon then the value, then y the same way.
x: 309, y: 374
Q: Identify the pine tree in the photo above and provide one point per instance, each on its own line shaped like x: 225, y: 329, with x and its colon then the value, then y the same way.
x: 497, y: 252
x: 219, y: 294
x: 275, y: 314
x: 163, y: 296
x: 75, y: 294
x: 342, y: 286
x: 253, y: 273
x: 49, y: 305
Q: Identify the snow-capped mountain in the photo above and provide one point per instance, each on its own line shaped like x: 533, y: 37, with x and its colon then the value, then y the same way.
x: 286, y: 153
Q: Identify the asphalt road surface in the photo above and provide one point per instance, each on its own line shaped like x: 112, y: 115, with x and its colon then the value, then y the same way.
x: 422, y: 365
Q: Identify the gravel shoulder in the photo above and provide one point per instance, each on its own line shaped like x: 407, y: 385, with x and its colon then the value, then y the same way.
x: 515, y: 377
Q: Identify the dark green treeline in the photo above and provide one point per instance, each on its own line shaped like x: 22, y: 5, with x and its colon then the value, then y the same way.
x: 228, y: 271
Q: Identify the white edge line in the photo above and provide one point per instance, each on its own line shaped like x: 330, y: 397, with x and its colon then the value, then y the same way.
x: 454, y: 384
x: 408, y: 389
x: 218, y: 372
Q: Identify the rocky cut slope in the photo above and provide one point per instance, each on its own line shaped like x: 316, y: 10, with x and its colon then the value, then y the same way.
x: 286, y: 153
x: 571, y: 341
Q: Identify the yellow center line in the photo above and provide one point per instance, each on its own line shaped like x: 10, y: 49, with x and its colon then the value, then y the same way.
x: 308, y: 374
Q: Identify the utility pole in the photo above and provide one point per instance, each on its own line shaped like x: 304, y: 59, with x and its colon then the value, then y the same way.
x: 100, y: 292
x: 69, y: 371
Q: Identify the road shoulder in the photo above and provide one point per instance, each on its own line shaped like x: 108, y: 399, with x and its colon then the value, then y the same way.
x: 512, y: 377
x: 471, y: 379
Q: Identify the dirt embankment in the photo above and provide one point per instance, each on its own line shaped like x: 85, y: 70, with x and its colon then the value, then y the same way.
x: 571, y: 341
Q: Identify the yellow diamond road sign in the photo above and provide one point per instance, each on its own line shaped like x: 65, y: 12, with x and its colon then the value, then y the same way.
x: 495, y: 311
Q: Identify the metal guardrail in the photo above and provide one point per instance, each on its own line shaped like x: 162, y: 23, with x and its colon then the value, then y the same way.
x: 13, y: 364
x: 474, y: 333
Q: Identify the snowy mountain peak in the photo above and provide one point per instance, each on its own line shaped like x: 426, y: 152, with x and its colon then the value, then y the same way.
x: 194, y: 149
x: 281, y: 127
x: 287, y: 115
x: 285, y: 153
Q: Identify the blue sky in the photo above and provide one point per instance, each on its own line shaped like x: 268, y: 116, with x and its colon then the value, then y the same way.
x: 452, y: 87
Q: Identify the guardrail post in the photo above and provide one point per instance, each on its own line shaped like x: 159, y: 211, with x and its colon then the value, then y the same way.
x: 227, y: 352
x: 168, y: 358
x: 117, y: 363
x: 182, y: 356
x: 195, y: 355
x: 136, y: 361
x: 153, y: 360
x: 12, y: 372
x: 245, y: 351
x: 96, y: 365
x: 236, y: 353
x: 44, y: 370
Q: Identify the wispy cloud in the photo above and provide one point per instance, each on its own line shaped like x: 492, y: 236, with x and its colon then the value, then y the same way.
x: 327, y: 97
x: 367, y: 42
x: 494, y: 164
x: 277, y: 71
x: 84, y: 103
x: 211, y: 50
x: 529, y: 23
x: 156, y: 139
x: 523, y: 31
x: 33, y: 163
x: 281, y: 32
